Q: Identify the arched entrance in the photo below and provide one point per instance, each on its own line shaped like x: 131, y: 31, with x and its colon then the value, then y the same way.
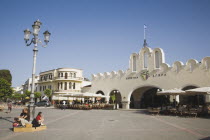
x: 191, y: 99
x: 101, y: 100
x: 115, y: 98
x: 145, y: 97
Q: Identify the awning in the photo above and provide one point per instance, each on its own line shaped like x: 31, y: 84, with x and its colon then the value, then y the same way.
x: 81, y: 95
x: 198, y: 91
x: 87, y: 94
x: 59, y: 98
x: 70, y: 95
x: 171, y: 92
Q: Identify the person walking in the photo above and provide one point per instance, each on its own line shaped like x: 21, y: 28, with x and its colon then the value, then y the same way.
x: 9, y: 104
x: 64, y: 105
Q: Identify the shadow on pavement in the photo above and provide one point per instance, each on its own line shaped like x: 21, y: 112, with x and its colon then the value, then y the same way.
x: 207, y: 138
x: 143, y: 111
x: 6, y: 118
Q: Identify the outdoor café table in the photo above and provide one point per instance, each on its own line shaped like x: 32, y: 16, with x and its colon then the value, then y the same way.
x: 154, y: 110
x: 193, y: 111
x: 173, y: 111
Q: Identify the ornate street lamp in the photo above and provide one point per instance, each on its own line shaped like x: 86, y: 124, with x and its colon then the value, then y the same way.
x: 36, y: 41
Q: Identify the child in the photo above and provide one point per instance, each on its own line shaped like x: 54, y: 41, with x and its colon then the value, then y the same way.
x: 16, y: 122
x: 40, y: 118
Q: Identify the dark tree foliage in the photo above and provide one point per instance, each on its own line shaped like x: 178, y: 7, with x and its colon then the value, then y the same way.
x: 5, y: 88
x: 5, y: 74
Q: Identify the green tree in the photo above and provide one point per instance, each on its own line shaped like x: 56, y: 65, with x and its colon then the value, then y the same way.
x: 27, y: 93
x: 48, y: 93
x: 113, y: 97
x: 23, y: 96
x: 5, y: 89
x: 16, y: 96
x: 37, y: 95
x: 5, y: 74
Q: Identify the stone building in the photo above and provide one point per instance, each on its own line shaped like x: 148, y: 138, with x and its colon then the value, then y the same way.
x: 148, y: 73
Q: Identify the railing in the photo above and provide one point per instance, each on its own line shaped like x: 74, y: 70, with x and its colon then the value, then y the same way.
x: 45, y: 80
x: 62, y: 78
x: 69, y: 78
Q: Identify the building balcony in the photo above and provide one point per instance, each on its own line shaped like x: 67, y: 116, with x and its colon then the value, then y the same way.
x: 61, y: 79
x: 69, y: 78
x: 44, y: 80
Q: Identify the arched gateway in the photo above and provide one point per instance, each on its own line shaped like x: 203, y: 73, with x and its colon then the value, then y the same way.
x: 146, y: 96
x: 147, y: 73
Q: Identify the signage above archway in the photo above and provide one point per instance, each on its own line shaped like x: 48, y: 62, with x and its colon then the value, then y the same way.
x: 144, y: 74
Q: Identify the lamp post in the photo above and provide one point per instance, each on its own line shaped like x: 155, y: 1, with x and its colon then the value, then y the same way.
x: 36, y: 41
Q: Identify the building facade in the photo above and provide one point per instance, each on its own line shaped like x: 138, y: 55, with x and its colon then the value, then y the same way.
x: 28, y: 84
x: 148, y: 73
x: 62, y: 81
x: 18, y: 89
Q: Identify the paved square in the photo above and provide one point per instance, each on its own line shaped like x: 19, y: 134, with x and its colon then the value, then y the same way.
x: 108, y: 125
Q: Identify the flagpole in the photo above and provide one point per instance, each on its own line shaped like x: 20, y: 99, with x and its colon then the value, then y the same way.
x: 145, y: 42
x: 144, y: 32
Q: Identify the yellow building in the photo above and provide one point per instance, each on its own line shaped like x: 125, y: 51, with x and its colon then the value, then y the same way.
x: 62, y: 81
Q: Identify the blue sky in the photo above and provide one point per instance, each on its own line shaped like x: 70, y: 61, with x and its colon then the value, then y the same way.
x: 100, y: 35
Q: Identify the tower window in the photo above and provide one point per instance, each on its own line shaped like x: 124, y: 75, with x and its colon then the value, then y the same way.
x: 157, y: 59
x: 207, y: 66
x: 191, y: 68
x: 145, y: 59
x: 134, y: 63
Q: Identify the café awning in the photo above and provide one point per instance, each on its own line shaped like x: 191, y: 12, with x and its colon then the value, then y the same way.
x: 171, y: 92
x: 87, y: 94
x: 81, y: 95
x: 199, y: 91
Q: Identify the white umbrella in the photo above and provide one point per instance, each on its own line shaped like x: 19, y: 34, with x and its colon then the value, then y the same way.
x: 87, y: 94
x: 196, y: 91
x: 103, y: 96
x: 98, y: 95
x: 171, y: 92
x: 65, y: 95
x: 55, y: 98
